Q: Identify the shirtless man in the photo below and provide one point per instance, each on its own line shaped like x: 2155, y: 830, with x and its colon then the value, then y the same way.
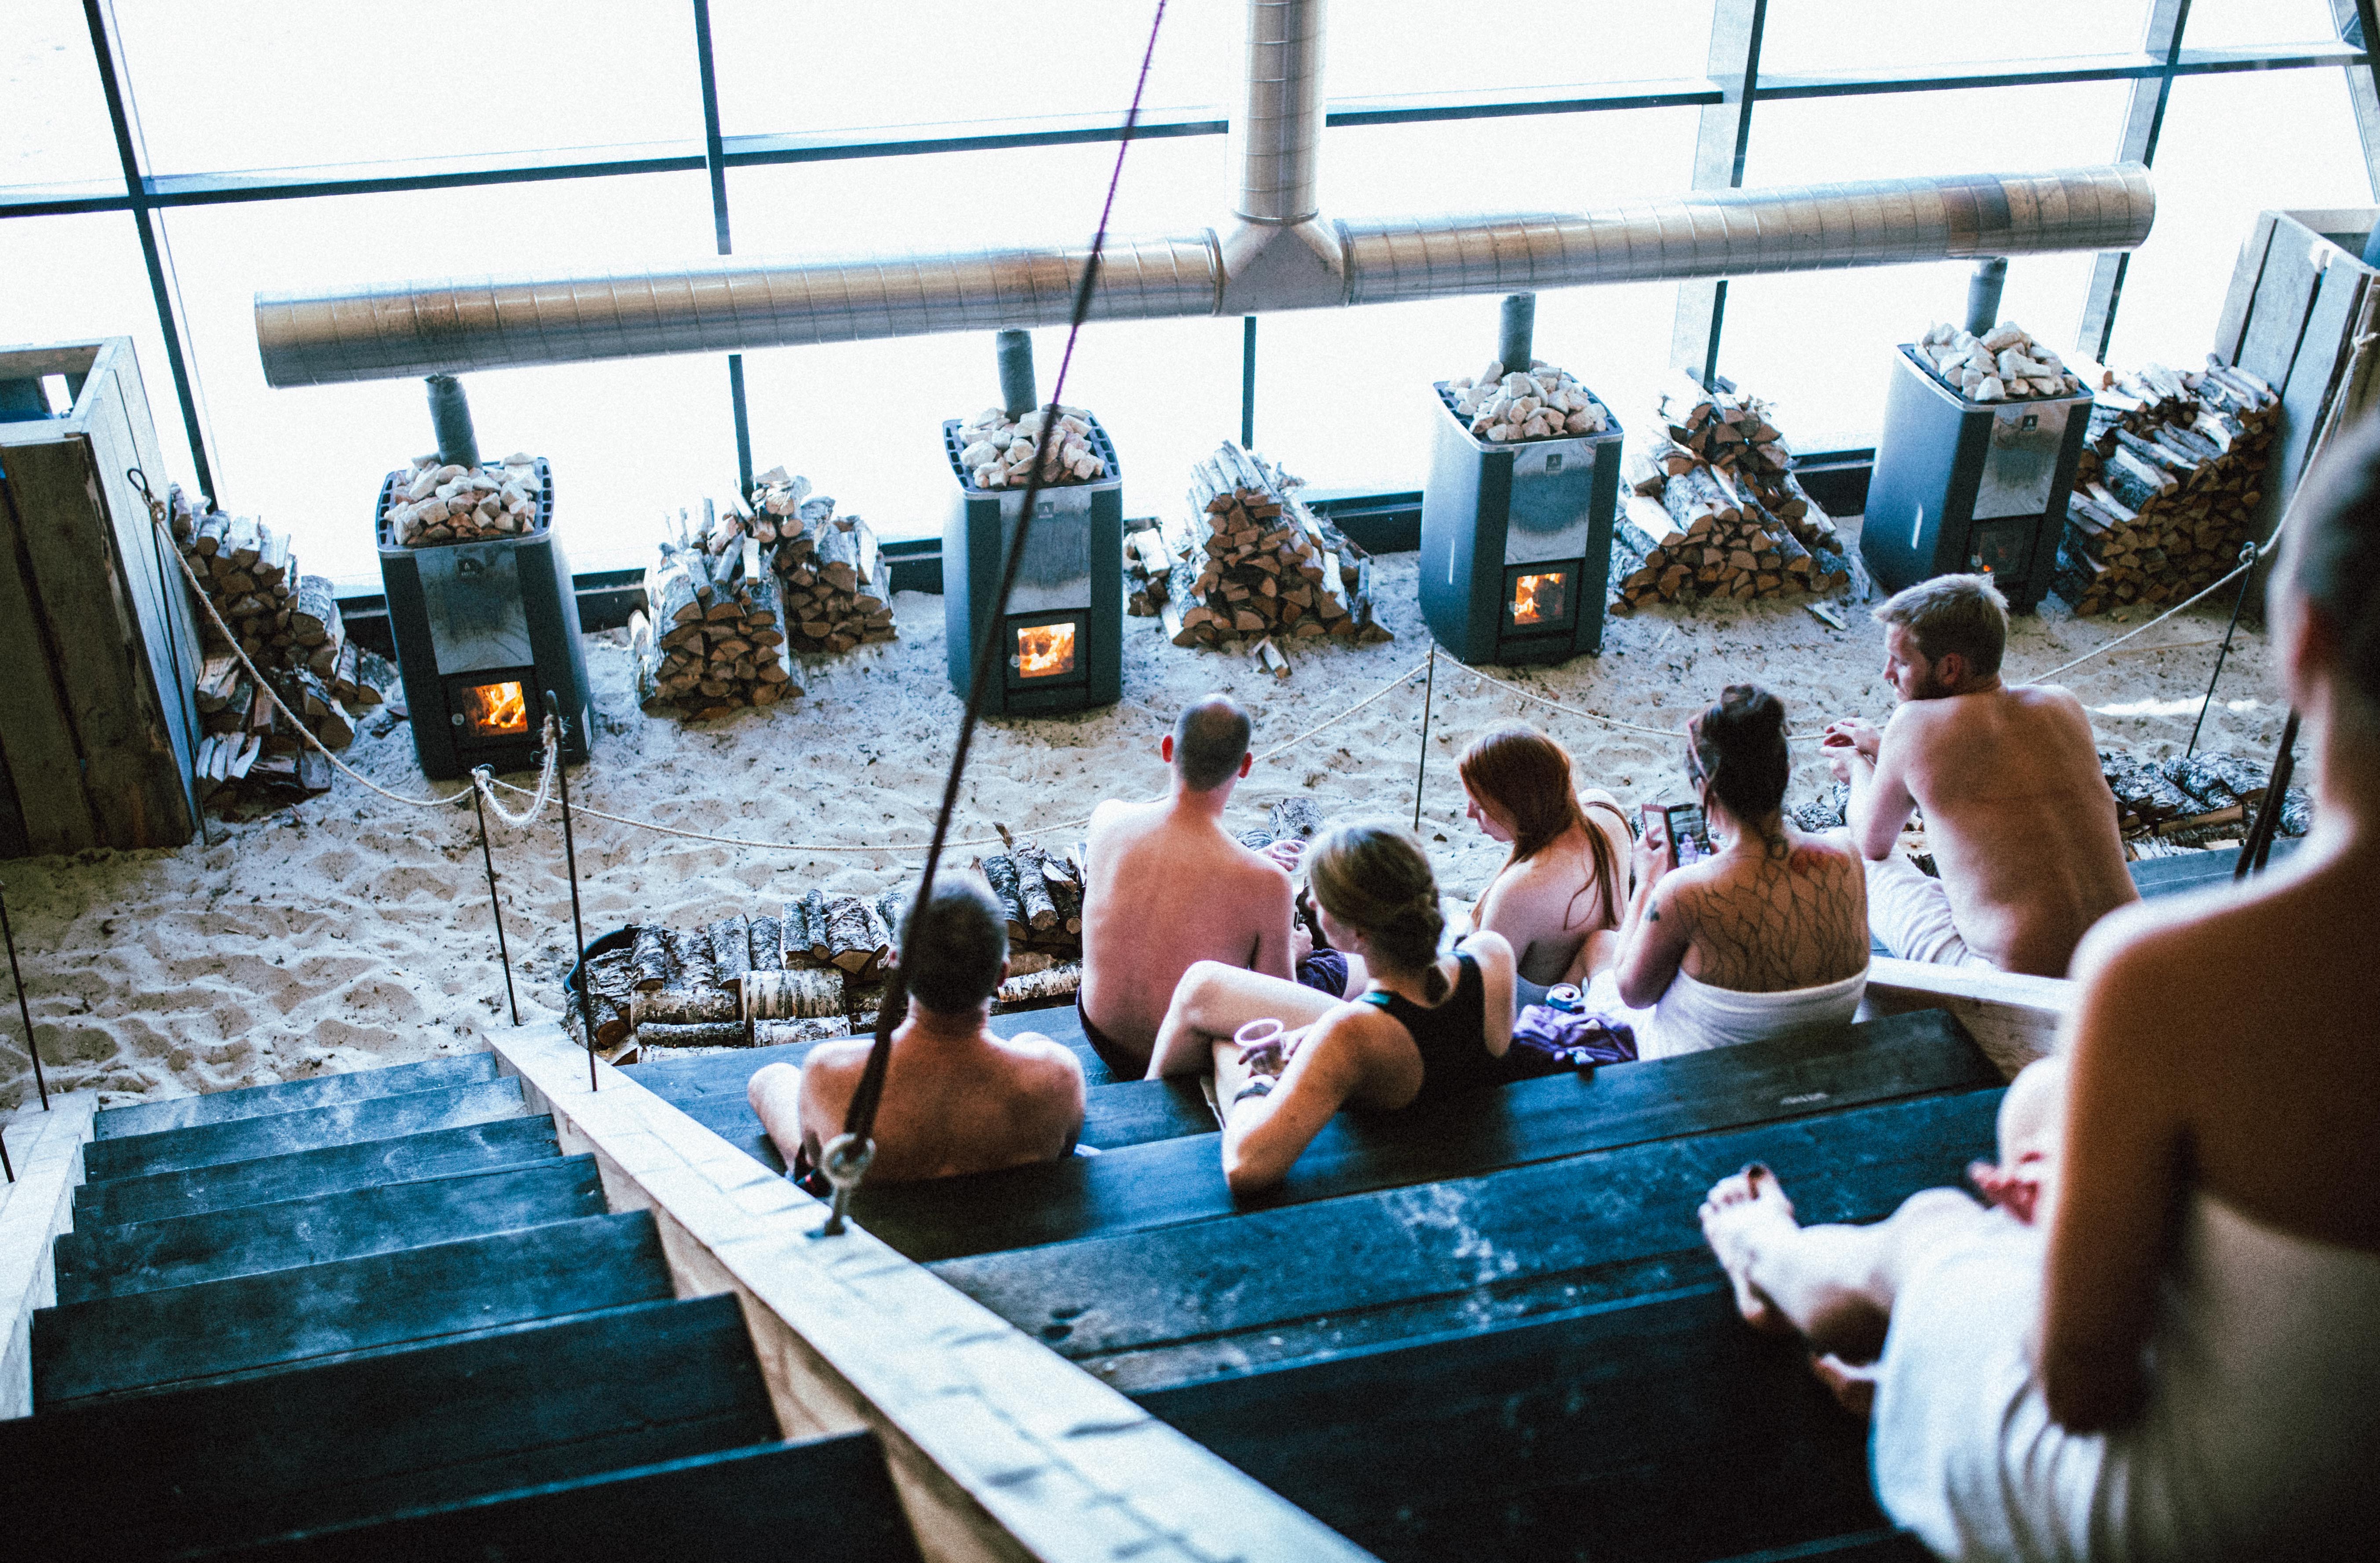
x: 1169, y: 887
x: 2018, y: 815
x: 956, y: 1098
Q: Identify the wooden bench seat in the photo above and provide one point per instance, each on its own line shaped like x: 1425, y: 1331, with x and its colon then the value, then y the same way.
x: 97, y: 1261
x: 1180, y: 1181
x: 1147, y: 1310
x: 283, y: 1318
x: 712, y: 1090
x: 826, y: 1497
x: 152, y: 1476
x: 1658, y: 1429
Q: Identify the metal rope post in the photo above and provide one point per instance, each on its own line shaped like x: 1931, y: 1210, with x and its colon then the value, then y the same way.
x: 1429, y: 689
x: 2247, y: 575
x: 24, y: 1011
x: 577, y: 930
x: 495, y: 906
x: 2259, y: 845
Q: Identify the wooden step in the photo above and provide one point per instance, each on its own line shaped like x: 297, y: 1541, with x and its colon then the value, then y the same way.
x: 822, y: 1497
x: 293, y: 1095
x: 382, y: 1219
x: 284, y: 1319
x: 151, y: 1476
x: 1179, y: 1181
x: 334, y: 1123
x: 1151, y: 1309
x: 1661, y: 1429
x: 1859, y: 1546
x: 711, y: 1089
x: 439, y: 1153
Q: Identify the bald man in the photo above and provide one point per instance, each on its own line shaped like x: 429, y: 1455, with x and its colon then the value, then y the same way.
x: 1169, y: 887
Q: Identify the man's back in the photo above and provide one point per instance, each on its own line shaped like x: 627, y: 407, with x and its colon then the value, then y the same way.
x: 951, y: 1105
x: 2018, y: 817
x: 1167, y: 888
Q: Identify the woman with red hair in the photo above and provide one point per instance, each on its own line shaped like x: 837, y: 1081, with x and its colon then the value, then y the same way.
x: 1564, y: 882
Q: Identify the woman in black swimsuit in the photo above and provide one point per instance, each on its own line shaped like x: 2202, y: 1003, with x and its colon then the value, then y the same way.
x: 1426, y: 1027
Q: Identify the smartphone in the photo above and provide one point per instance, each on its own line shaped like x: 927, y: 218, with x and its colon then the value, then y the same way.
x: 1683, y: 828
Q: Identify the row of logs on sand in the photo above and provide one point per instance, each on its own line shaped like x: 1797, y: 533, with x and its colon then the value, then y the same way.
x: 2166, y: 494
x: 2191, y: 793
x: 1713, y: 510
x: 712, y: 637
x: 1257, y: 561
x: 834, y: 581
x: 435, y: 502
x: 817, y: 967
x: 289, y: 627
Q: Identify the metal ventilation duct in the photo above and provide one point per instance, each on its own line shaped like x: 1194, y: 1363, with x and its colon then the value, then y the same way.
x: 1276, y: 254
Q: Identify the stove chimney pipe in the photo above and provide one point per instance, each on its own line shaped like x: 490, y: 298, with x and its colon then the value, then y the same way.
x: 1516, y: 331
x: 1017, y: 396
x: 450, y: 413
x: 1984, y: 295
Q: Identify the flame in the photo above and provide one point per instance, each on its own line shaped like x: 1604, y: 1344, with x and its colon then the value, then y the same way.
x: 497, y: 709
x: 1044, y: 650
x: 1538, y: 599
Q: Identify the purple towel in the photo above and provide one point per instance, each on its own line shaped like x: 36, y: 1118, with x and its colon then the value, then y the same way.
x: 1327, y: 970
x: 1574, y: 1041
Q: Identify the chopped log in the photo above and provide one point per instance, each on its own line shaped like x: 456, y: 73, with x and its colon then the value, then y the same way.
x: 313, y: 609
x: 779, y: 1034
x: 796, y: 995
x: 730, y: 948
x: 768, y: 954
x: 684, y: 1005
x: 691, y: 950
x: 855, y: 936
x: 1033, y: 887
x: 1296, y: 817
x: 814, y: 925
x: 1057, y: 981
x: 999, y: 873
x: 892, y: 907
x: 704, y: 1033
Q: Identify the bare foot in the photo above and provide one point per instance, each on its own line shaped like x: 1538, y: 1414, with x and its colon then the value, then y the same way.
x: 1735, y: 1213
x: 1853, y: 1387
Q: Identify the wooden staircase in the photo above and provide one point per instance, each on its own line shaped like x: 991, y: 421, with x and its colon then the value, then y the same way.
x: 382, y: 1315
x: 1490, y: 1328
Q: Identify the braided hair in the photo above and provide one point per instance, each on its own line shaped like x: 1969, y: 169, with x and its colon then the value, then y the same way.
x: 1377, y: 879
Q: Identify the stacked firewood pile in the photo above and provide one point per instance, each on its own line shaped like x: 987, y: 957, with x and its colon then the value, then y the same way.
x: 712, y: 637
x: 1254, y: 561
x: 816, y: 967
x: 288, y: 625
x: 1538, y: 403
x: 834, y: 588
x: 1714, y: 510
x: 2197, y: 794
x: 2166, y: 494
x: 2005, y: 365
x: 435, y: 503
x: 997, y: 450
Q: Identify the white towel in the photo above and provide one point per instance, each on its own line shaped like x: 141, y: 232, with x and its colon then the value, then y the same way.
x: 1692, y: 1015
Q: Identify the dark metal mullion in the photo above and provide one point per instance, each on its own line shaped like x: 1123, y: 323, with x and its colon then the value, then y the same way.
x: 714, y: 160
x: 2143, y: 123
x: 106, y: 45
x: 1247, y: 382
x: 1722, y: 142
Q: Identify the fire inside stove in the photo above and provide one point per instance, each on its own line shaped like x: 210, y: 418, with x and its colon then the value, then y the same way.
x: 1045, y: 650
x: 1540, y: 599
x: 495, y: 710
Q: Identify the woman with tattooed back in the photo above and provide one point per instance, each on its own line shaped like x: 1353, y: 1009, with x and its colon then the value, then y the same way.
x: 1768, y: 936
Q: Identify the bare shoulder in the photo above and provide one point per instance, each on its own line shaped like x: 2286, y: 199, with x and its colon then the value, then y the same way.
x: 846, y: 1056
x: 1490, y: 949
x: 1033, y: 1048
x: 2154, y: 951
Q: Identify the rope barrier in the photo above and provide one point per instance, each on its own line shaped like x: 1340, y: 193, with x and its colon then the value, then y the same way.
x: 483, y: 777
